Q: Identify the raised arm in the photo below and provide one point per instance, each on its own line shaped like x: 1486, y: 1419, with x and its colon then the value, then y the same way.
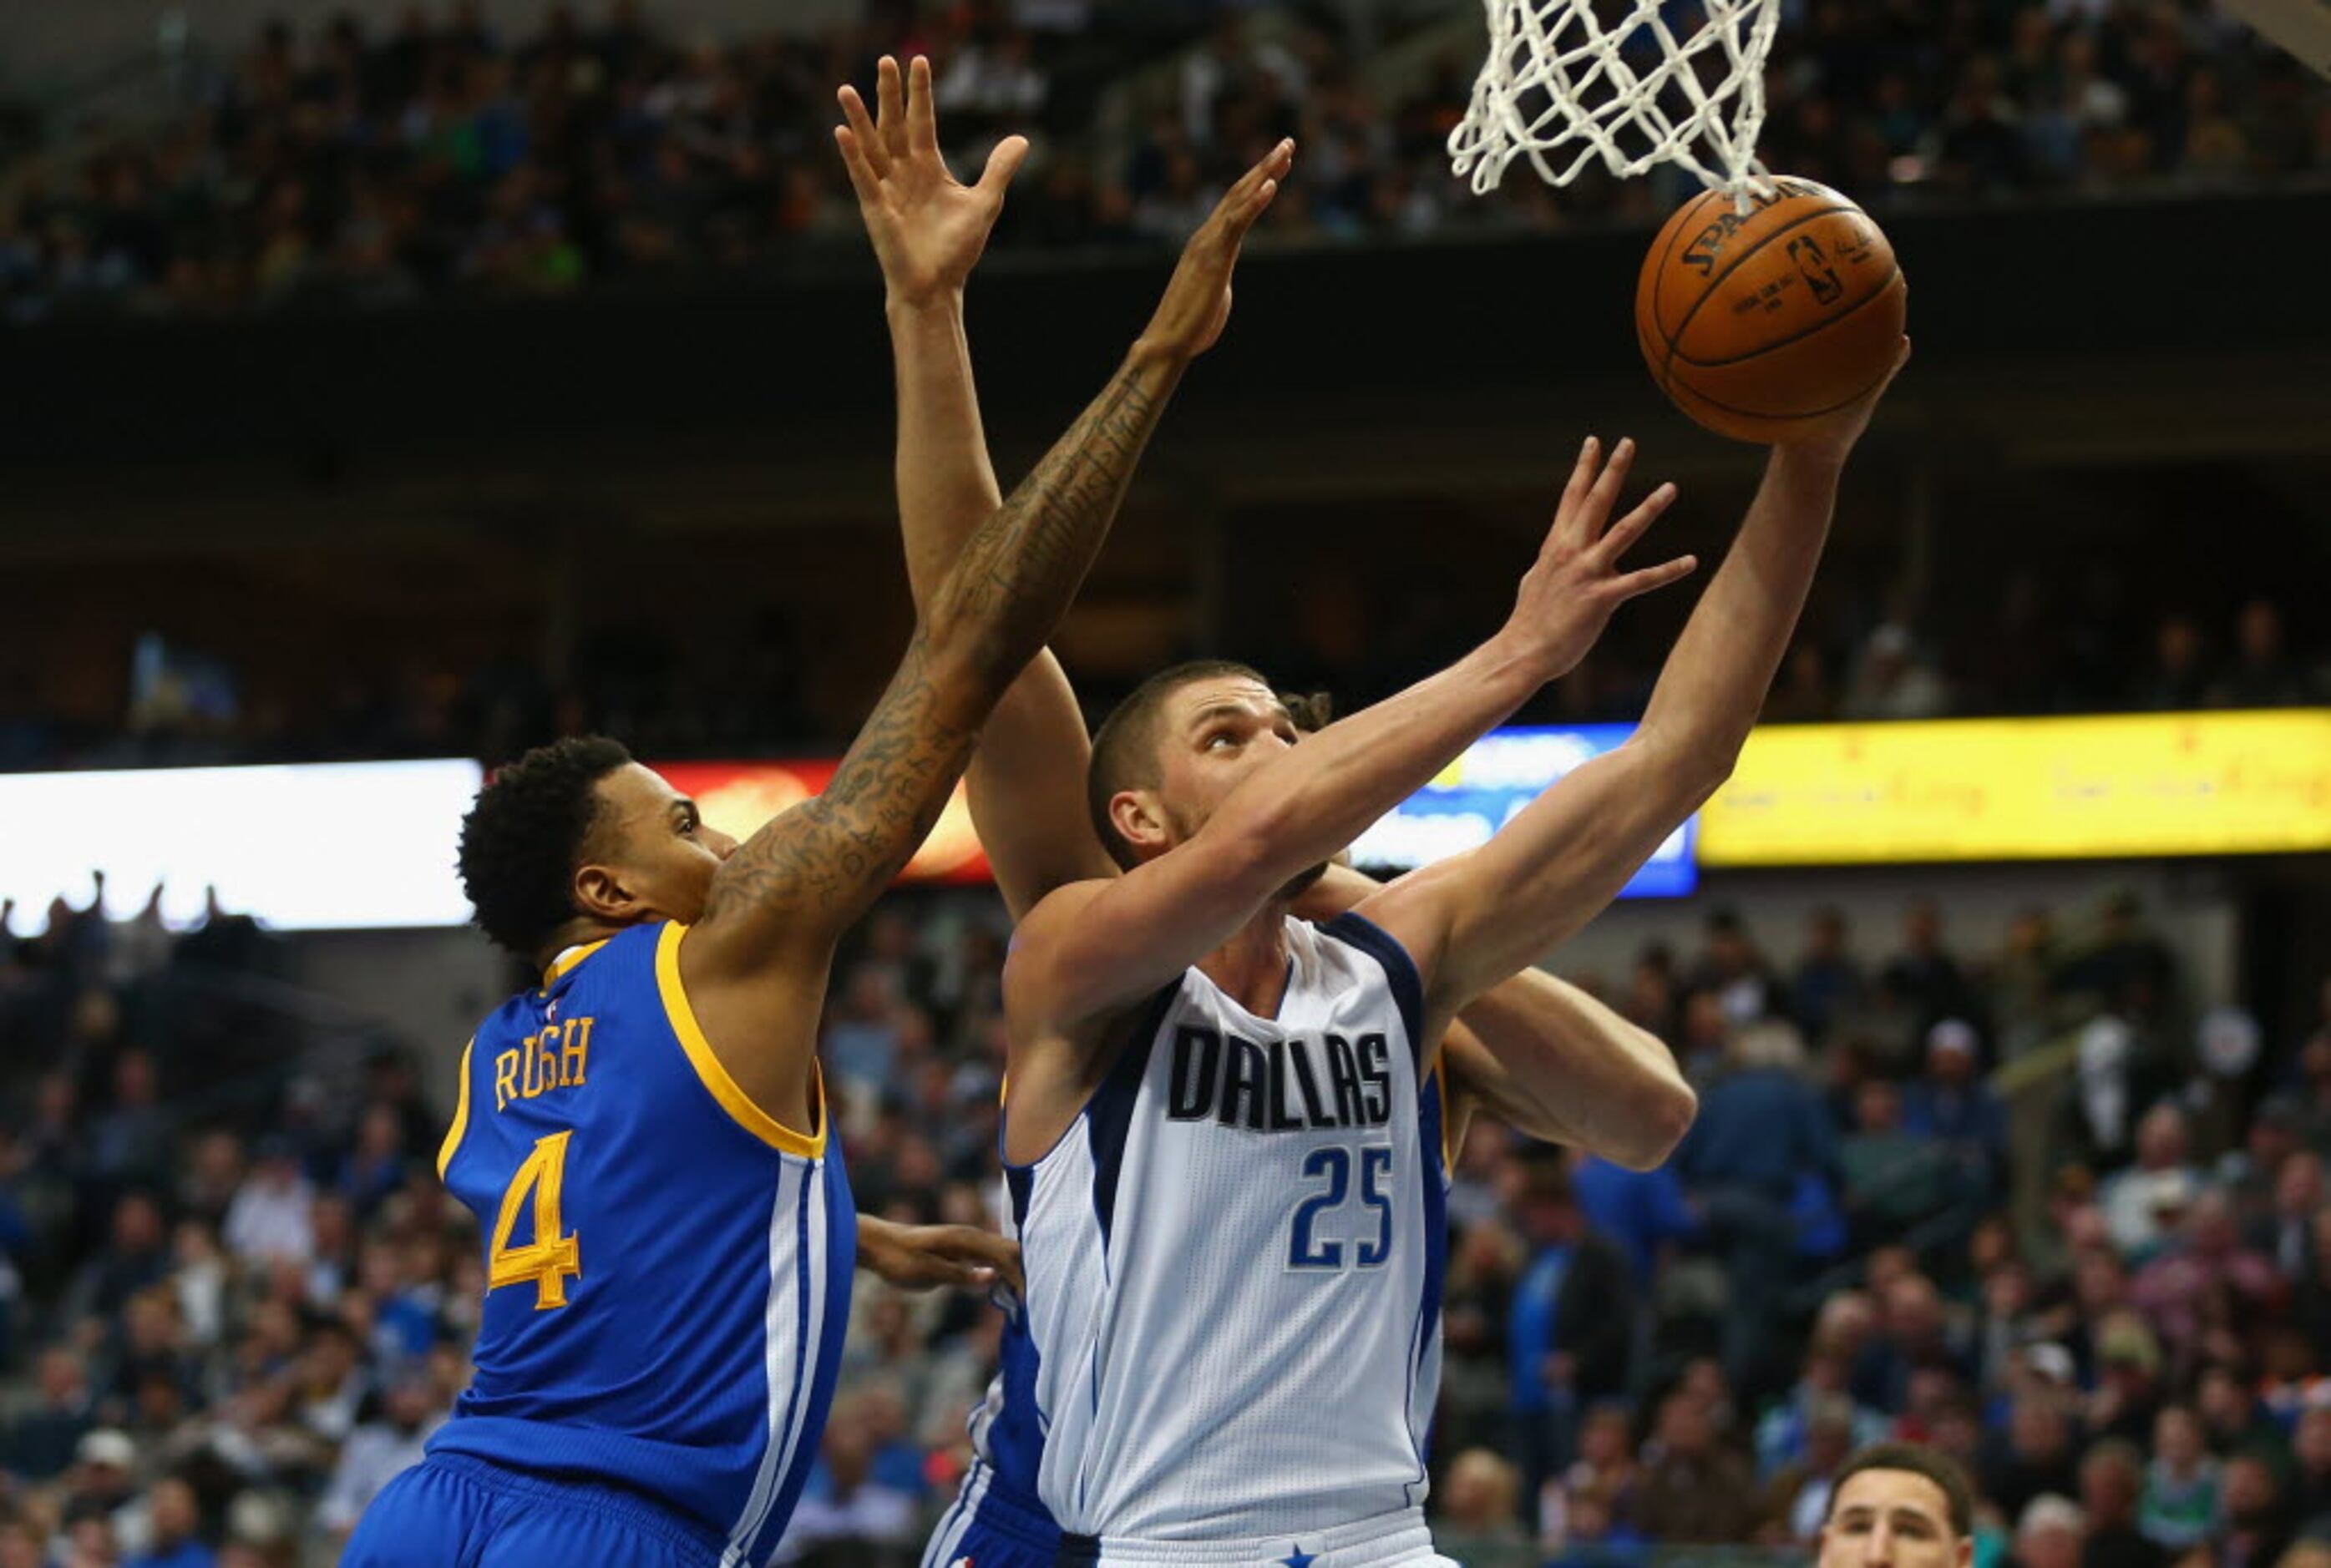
x: 1474, y: 919
x: 1027, y: 774
x: 1095, y: 946
x: 795, y: 885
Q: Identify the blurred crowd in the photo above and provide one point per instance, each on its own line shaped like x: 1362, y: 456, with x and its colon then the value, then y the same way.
x: 2035, y: 1205
x: 372, y: 167
x: 2030, y: 644
x: 681, y: 690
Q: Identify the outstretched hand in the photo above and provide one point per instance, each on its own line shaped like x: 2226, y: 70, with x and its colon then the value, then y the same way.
x: 1568, y: 594
x: 928, y: 228
x: 1197, y: 303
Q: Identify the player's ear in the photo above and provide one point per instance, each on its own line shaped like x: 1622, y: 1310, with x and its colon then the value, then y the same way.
x: 1139, y: 820
x: 602, y: 893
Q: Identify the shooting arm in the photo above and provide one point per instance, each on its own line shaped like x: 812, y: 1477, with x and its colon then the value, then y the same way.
x: 1478, y: 917
x: 1098, y: 945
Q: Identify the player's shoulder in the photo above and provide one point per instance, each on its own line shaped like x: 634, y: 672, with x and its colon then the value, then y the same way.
x: 626, y: 959
x: 1352, y: 932
x: 1352, y: 949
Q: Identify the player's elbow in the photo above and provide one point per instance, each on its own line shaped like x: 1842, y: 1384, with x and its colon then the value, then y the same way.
x: 1689, y: 768
x: 970, y: 642
x: 1661, y: 1112
x: 966, y: 669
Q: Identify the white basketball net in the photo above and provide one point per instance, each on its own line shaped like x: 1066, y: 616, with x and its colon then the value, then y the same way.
x: 1678, y: 82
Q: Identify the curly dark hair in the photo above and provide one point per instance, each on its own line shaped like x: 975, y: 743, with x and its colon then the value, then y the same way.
x: 523, y: 833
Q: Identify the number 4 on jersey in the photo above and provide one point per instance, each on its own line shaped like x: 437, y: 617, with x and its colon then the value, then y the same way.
x: 550, y: 1257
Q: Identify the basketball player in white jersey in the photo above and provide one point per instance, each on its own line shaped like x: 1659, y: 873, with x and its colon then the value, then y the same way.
x: 1542, y: 1055
x: 1548, y: 1057
x: 1222, y: 1128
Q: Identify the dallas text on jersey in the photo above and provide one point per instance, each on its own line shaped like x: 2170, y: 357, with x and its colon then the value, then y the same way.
x: 1240, y: 1083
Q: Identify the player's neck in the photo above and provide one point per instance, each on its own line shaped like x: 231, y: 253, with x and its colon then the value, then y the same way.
x: 1251, y: 967
x: 576, y: 933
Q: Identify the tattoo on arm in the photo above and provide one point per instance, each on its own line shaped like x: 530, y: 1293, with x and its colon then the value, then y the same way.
x: 1017, y: 573
x: 818, y: 867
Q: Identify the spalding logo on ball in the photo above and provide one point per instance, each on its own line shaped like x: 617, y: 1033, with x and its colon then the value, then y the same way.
x: 1758, y: 324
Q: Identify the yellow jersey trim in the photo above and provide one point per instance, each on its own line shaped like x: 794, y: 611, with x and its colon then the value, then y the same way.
x: 716, y: 1079
x: 460, y: 1115
x: 567, y: 961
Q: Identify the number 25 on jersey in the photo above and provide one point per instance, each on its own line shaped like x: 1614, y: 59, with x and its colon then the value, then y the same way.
x: 548, y: 1259
x: 1333, y: 1163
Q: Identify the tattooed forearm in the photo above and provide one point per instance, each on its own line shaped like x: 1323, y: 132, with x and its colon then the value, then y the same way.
x: 836, y: 852
x: 817, y: 866
x: 1017, y: 574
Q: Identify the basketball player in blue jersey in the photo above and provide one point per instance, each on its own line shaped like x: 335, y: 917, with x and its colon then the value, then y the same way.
x: 668, y: 1235
x: 1556, y: 1061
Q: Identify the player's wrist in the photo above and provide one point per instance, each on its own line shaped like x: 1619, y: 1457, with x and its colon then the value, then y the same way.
x: 1517, y: 661
x: 1159, y: 351
x: 935, y: 296
x: 1817, y: 457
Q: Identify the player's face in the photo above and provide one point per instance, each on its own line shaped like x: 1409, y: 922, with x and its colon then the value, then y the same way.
x: 658, y: 852
x: 1892, y: 1519
x: 1214, y: 734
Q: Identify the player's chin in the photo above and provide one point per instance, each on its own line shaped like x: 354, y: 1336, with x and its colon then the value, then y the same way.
x: 1302, y: 884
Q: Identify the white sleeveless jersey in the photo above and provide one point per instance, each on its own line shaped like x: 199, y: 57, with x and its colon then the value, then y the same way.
x: 1234, y: 1260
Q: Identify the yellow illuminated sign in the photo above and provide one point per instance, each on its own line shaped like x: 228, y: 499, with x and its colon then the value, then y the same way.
x: 2182, y: 784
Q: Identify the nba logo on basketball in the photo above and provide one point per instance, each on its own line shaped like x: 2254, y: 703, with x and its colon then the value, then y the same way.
x: 1815, y: 267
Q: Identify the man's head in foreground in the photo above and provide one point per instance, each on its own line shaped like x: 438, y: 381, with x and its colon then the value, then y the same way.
x: 1900, y: 1505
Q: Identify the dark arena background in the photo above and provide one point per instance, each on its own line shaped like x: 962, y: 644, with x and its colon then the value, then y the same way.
x: 386, y: 389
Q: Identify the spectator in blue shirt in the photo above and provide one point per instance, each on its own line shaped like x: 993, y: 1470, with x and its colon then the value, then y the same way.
x: 174, y: 1519
x: 40, y: 1442
x: 848, y: 1511
x: 1569, y: 1327
x: 1760, y: 1122
x: 1762, y: 1133
x: 1641, y: 1211
x: 1828, y: 978
x: 1952, y: 1104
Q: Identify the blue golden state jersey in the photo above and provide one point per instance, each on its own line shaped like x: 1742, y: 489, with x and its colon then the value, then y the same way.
x: 667, y: 1269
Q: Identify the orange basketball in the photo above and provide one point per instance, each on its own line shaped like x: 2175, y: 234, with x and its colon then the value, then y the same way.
x: 1758, y: 325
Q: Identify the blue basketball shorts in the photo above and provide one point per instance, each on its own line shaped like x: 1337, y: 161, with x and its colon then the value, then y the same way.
x: 986, y: 1528
x: 451, y: 1511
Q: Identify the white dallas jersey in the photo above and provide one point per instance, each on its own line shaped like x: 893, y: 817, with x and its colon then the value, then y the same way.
x: 1234, y: 1260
